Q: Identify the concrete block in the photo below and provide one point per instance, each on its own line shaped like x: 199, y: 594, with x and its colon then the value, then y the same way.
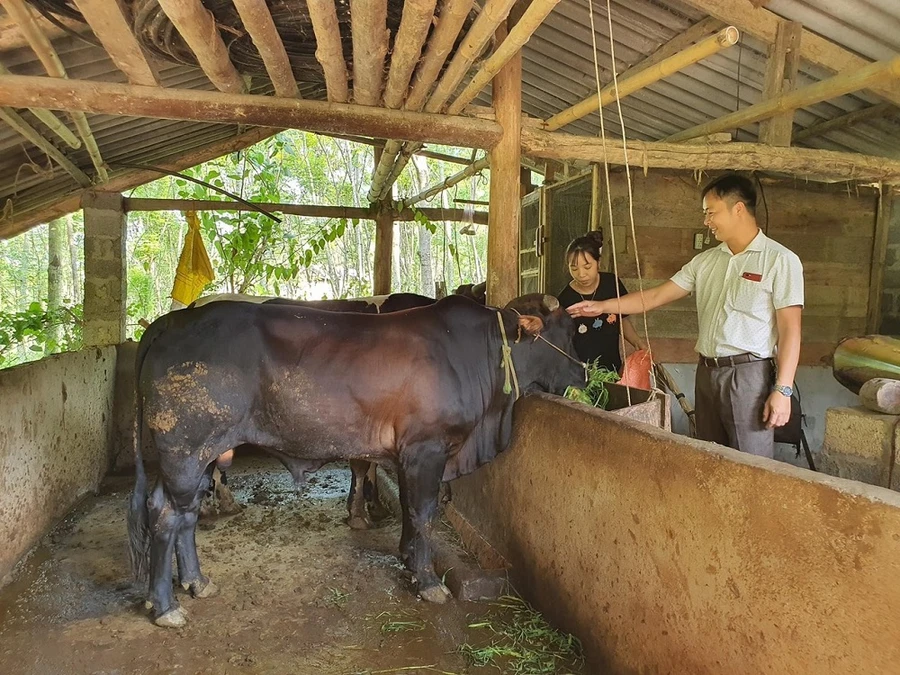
x: 859, y: 444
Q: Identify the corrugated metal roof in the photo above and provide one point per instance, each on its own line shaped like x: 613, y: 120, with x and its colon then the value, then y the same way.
x: 558, y: 71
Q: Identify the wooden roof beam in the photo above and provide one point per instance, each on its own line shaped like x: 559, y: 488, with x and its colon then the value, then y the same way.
x: 47, y: 55
x: 13, y: 119
x: 197, y: 26
x: 51, y: 121
x: 368, y: 26
x: 17, y: 222
x: 819, y: 165
x: 257, y: 19
x: 106, y: 98
x: 844, y: 121
x: 308, y: 210
x: 845, y: 83
x: 107, y: 19
x: 763, y: 24
x: 329, y: 52
x: 449, y: 23
x: 525, y: 27
x: 414, y: 25
x: 645, y: 76
x: 492, y: 15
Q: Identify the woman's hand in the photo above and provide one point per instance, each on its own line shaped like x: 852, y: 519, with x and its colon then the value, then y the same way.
x: 587, y: 308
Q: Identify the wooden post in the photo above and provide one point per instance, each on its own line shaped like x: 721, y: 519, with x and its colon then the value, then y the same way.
x: 781, y: 76
x: 505, y: 205
x: 384, y: 248
x: 879, y: 250
x: 525, y: 180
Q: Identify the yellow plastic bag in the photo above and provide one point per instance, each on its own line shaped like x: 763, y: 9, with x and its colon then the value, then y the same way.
x: 194, y: 269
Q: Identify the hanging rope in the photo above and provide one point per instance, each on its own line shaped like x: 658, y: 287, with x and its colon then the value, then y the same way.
x: 628, y: 182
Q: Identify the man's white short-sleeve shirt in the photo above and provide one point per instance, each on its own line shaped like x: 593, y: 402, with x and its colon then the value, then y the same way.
x: 737, y: 295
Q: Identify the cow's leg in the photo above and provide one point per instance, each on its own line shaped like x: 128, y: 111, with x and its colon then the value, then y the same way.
x: 377, y: 510
x: 163, y: 523
x: 189, y: 575
x: 358, y: 519
x: 422, y: 467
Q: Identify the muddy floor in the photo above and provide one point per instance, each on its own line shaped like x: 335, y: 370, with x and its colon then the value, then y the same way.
x: 300, y: 593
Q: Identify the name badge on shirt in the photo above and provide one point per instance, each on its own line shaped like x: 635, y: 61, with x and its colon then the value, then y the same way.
x: 751, y: 276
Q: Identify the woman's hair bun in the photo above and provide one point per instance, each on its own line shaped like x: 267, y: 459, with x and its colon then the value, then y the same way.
x: 595, y: 236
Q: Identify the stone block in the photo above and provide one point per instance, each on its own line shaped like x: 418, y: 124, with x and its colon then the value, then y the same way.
x: 859, y: 444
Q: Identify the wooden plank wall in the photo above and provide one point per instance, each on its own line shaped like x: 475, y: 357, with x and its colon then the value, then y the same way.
x: 830, y: 227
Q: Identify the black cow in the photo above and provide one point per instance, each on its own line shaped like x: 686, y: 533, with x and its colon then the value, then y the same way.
x: 363, y: 500
x: 425, y: 388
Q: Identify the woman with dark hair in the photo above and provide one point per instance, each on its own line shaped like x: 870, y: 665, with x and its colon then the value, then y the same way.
x: 597, y: 338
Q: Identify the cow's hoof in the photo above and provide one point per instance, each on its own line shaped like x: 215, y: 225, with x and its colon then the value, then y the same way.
x: 377, y: 511
x: 204, y: 589
x: 438, y: 594
x: 360, y: 523
x: 174, y: 618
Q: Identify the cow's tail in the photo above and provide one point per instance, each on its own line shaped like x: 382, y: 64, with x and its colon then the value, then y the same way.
x: 138, y: 515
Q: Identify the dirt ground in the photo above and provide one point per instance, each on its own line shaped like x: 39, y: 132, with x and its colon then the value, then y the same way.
x: 300, y: 593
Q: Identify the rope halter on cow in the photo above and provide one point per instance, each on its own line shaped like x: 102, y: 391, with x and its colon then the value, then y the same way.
x: 506, y: 362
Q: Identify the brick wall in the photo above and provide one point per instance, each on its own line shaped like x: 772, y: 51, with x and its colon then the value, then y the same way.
x: 890, y: 299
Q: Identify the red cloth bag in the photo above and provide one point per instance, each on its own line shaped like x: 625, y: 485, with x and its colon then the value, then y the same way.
x: 636, y: 370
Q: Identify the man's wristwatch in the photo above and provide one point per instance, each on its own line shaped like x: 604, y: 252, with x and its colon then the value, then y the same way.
x: 783, y: 390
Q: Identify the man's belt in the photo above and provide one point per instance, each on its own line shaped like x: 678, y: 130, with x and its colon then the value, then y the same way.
x: 736, y: 360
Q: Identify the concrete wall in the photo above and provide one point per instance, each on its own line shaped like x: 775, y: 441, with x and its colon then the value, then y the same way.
x: 819, y: 391
x: 669, y: 555
x: 55, y: 442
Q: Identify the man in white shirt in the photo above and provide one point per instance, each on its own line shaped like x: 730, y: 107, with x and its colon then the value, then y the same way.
x: 749, y: 293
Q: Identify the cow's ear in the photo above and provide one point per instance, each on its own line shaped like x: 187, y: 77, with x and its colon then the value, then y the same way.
x: 531, y: 324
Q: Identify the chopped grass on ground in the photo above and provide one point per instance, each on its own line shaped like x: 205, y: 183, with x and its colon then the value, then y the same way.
x: 522, y: 642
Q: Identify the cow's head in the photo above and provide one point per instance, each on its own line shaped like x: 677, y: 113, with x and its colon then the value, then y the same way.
x: 545, y: 355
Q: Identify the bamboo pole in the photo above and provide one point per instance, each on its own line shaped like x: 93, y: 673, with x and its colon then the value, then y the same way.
x: 491, y: 17
x: 197, y: 26
x: 51, y: 121
x: 47, y: 55
x: 329, y: 52
x: 449, y: 23
x: 14, y: 120
x: 368, y: 25
x: 818, y: 165
x: 752, y: 18
x: 106, y: 19
x: 781, y: 77
x: 864, y: 78
x: 844, y: 121
x: 448, y: 182
x: 20, y: 91
x: 257, y: 19
x: 645, y: 77
x: 520, y: 34
x: 414, y: 25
